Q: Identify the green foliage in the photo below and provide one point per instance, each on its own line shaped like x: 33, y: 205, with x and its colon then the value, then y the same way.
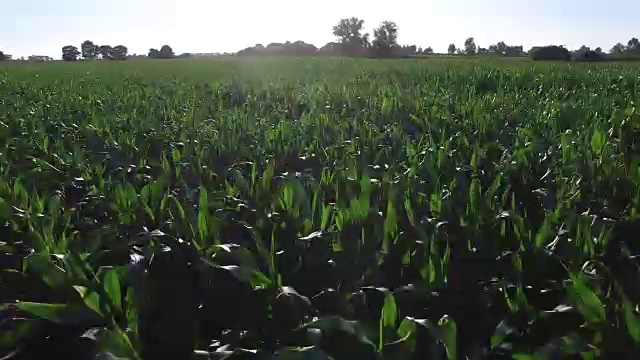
x: 70, y: 53
x: 165, y: 52
x: 319, y: 209
x: 553, y: 52
x: 89, y: 50
x: 385, y: 38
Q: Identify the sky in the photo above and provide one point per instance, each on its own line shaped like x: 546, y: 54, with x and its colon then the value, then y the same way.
x: 43, y: 27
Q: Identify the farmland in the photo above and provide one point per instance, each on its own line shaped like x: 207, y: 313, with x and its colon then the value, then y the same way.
x: 281, y: 208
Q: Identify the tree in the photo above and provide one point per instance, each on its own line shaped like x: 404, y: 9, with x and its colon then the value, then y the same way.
x: 428, y: 51
x: 498, y: 49
x: 618, y: 49
x: 119, y: 52
x: 106, y: 52
x: 350, y: 36
x: 503, y: 49
x: 2, y: 58
x: 70, y: 53
x: 365, y: 42
x: 331, y: 48
x: 470, y: 46
x: 633, y: 46
x: 552, y: 52
x: 452, y: 49
x: 385, y: 38
x: 154, y: 53
x: 349, y: 31
x: 166, y: 52
x: 89, y: 50
x: 514, y: 51
x: 584, y: 49
x: 588, y: 55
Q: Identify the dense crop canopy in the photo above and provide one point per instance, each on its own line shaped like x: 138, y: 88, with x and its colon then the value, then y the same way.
x: 320, y: 209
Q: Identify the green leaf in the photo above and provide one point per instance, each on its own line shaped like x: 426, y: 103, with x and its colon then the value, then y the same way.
x: 585, y: 300
x: 111, y: 284
x: 502, y: 331
x: 203, y: 214
x: 474, y: 195
x: 42, y: 264
x: 247, y: 275
x: 340, y: 324
x: 389, y: 311
x: 107, y: 356
x: 390, y: 223
x: 445, y: 331
x: 449, y: 336
x: 597, y: 141
x: 131, y: 309
x: 57, y: 313
x: 90, y: 298
x: 305, y: 353
x: 116, y: 342
x: 407, y: 331
x: 633, y: 323
x: 524, y: 357
x: 51, y: 312
x: 5, y: 208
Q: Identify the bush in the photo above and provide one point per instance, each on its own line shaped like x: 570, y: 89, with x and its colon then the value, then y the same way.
x: 589, y: 55
x: 625, y: 57
x: 550, y: 53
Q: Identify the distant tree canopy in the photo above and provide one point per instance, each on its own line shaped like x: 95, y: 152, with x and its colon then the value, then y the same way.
x: 119, y: 52
x: 70, y: 53
x: 586, y: 54
x: 350, y: 36
x: 631, y: 51
x: 89, y: 50
x: 633, y: 46
x: 2, y: 58
x: 106, y: 52
x: 385, y: 40
x: 165, y: 52
x: 551, y: 52
x: 618, y: 48
x: 470, y: 47
x: 298, y: 48
x: 502, y: 49
x: 352, y: 40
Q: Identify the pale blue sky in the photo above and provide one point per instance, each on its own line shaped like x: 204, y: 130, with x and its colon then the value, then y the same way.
x: 42, y: 27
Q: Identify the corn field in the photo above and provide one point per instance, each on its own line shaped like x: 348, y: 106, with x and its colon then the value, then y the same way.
x: 315, y: 209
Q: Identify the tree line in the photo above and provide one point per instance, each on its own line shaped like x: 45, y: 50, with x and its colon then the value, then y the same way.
x: 352, y: 40
x: 91, y: 51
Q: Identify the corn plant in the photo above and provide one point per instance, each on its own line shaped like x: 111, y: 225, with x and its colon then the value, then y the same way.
x: 319, y: 209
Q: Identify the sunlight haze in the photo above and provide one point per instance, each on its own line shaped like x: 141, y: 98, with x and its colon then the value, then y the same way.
x: 42, y: 27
